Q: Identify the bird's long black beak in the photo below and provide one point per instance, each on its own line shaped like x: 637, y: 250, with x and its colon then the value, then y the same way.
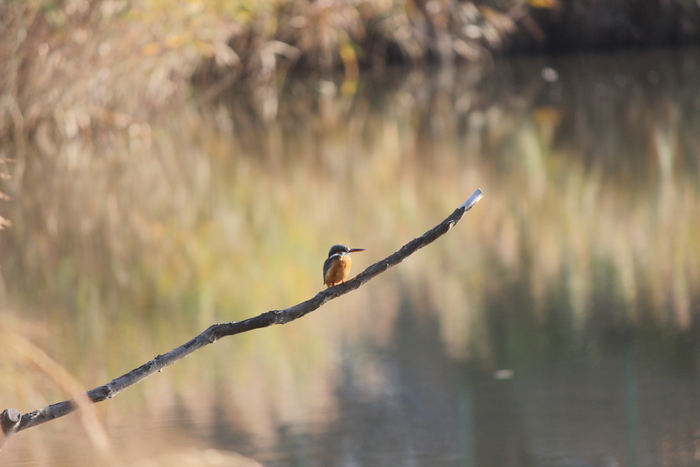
x: 354, y: 250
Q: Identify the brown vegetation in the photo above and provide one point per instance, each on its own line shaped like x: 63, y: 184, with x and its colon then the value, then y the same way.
x: 87, y: 66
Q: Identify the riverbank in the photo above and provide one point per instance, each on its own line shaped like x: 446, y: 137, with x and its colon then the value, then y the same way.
x: 92, y: 67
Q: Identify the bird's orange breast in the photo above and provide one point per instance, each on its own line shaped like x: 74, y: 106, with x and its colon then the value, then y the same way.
x: 339, y: 270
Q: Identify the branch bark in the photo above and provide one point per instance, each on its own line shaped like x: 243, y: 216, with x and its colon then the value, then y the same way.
x: 11, y: 422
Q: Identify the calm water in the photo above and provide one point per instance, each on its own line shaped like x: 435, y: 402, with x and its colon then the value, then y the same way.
x: 556, y: 325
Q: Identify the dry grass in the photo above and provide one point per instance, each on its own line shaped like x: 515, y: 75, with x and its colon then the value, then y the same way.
x: 95, y: 67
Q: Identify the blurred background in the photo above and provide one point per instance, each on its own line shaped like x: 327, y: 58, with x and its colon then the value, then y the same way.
x: 169, y: 165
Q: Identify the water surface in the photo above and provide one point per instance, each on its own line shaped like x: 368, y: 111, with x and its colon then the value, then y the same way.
x: 555, y: 325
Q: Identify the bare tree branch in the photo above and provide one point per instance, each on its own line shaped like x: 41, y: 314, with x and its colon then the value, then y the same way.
x: 10, y: 417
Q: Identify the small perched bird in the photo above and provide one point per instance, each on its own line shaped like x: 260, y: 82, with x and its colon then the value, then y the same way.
x: 337, y: 267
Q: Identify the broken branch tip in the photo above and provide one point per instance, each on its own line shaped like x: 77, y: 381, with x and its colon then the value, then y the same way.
x: 473, y: 199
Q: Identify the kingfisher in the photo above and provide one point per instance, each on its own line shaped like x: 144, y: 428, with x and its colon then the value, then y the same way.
x: 337, y: 267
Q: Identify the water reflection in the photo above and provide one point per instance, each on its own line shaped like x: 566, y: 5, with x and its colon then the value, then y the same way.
x: 557, y: 325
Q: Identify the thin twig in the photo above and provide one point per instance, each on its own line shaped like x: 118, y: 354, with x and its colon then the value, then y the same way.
x: 217, y: 331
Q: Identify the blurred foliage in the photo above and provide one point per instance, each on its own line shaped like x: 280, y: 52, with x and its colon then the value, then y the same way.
x: 106, y: 63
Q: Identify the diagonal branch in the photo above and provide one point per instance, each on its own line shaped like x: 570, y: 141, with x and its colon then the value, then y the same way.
x: 217, y: 331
